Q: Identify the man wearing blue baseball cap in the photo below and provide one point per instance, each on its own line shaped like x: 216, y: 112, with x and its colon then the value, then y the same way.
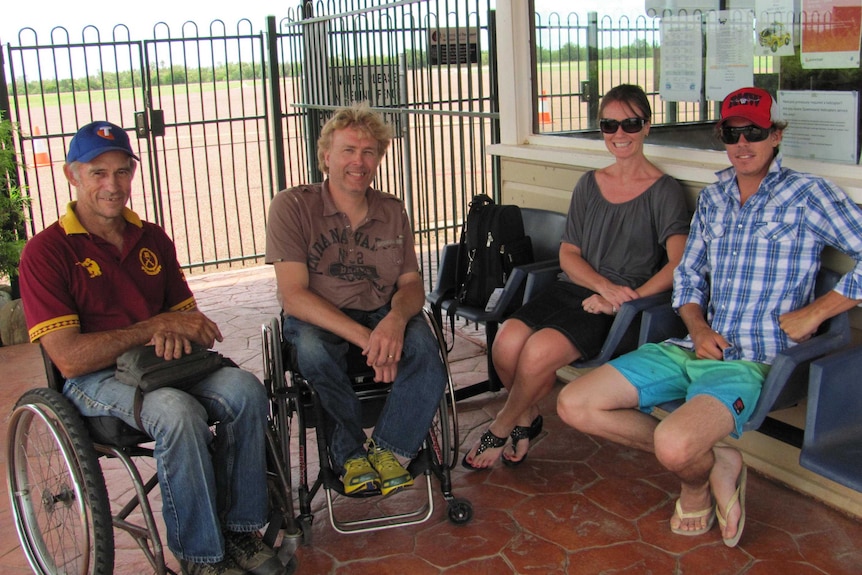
x: 101, y: 281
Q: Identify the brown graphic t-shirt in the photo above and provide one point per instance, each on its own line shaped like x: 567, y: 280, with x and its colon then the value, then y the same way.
x: 351, y: 268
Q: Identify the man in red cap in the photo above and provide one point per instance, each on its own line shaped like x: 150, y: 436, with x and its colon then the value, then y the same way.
x: 745, y: 290
x: 101, y: 281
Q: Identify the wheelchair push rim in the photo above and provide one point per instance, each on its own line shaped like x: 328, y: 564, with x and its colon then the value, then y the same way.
x: 56, y: 488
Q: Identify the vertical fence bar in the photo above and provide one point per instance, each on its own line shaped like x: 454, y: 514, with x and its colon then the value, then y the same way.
x: 592, y: 88
x: 275, y: 111
x: 406, y: 148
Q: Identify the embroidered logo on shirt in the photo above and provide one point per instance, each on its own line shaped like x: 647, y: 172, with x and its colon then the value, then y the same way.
x: 92, y: 267
x: 738, y: 405
x: 149, y: 262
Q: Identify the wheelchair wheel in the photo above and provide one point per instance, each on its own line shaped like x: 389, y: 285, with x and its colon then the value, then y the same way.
x: 444, y: 428
x: 441, y: 436
x: 57, y: 490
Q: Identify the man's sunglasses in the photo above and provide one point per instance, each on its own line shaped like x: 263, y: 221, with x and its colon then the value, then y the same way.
x: 630, y: 125
x: 752, y: 133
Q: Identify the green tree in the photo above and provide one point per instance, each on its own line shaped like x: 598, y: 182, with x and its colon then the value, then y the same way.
x: 13, y: 203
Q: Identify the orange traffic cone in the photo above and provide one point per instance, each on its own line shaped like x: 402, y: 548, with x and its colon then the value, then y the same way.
x: 544, y: 110
x: 41, y: 157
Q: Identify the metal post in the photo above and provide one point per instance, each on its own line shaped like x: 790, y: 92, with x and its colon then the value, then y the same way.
x: 315, y: 60
x: 276, y: 113
x: 406, y: 148
x: 495, y: 100
x: 591, y: 90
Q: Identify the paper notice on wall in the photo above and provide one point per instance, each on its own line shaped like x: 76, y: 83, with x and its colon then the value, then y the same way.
x: 831, y: 33
x: 681, y: 58
x: 774, y: 30
x: 821, y: 125
x: 729, y: 49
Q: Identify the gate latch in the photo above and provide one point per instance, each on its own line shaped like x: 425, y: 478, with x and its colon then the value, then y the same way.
x: 155, y: 125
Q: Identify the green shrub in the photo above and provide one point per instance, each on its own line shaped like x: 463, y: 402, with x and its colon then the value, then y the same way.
x: 13, y: 204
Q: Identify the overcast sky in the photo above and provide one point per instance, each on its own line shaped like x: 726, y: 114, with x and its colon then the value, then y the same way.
x: 141, y: 16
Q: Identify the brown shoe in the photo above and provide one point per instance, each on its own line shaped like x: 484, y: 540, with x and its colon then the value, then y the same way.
x: 249, y: 552
x: 224, y: 567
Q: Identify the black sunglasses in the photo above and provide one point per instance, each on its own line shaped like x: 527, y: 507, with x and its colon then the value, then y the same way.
x: 630, y: 125
x: 752, y: 133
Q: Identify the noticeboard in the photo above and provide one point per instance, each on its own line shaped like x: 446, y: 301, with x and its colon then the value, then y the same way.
x: 453, y: 46
x: 377, y: 84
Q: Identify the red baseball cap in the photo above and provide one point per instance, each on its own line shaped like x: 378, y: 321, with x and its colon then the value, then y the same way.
x: 754, y: 104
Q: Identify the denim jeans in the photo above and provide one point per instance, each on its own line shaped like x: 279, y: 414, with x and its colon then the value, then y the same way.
x: 209, y: 482
x: 410, y: 406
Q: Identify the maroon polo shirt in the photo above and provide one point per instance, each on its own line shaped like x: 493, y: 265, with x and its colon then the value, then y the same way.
x: 73, y: 279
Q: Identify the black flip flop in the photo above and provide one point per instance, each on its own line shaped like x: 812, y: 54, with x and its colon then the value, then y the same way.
x: 520, y: 432
x: 487, y: 441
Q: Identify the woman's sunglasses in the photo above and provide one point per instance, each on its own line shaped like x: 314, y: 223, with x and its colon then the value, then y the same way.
x: 630, y: 125
x: 752, y: 133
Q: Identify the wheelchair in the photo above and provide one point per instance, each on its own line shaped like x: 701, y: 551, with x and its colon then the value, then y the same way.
x: 59, y: 499
x: 293, y: 397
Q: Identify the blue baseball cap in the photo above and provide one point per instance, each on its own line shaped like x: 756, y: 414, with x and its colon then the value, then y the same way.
x: 95, y: 139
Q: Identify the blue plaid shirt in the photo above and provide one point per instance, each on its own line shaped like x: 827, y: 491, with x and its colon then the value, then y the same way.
x: 748, y: 264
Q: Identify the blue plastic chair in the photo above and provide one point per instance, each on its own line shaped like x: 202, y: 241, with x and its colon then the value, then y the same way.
x: 545, y: 229
x: 832, y: 446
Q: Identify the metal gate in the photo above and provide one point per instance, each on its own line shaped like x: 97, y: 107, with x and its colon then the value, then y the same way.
x: 429, y: 66
x: 226, y: 118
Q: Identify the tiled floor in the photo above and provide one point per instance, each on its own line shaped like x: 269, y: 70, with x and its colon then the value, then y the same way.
x: 578, y: 505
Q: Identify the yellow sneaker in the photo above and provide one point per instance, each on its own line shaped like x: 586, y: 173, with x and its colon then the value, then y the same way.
x: 359, y: 476
x: 393, y: 477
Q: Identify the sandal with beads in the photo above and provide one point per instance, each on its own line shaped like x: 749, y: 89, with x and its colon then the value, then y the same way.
x: 520, y: 432
x: 487, y: 441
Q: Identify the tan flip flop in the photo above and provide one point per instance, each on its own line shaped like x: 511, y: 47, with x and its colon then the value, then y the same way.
x: 709, y: 513
x: 738, y: 497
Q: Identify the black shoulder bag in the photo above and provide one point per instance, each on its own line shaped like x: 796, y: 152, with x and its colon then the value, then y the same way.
x: 141, y: 368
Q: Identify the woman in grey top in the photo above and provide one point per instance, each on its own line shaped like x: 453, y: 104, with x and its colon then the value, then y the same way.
x: 625, y: 233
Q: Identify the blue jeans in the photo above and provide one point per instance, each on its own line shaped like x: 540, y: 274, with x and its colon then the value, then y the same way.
x: 409, y: 407
x: 209, y: 482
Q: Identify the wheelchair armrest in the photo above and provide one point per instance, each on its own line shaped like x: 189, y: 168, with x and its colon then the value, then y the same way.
x: 659, y: 323
x: 55, y: 379
x: 447, y: 275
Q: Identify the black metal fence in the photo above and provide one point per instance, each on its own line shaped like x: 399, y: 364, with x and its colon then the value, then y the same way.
x: 226, y: 117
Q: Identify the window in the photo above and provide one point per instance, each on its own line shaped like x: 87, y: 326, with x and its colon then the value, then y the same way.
x: 579, y: 56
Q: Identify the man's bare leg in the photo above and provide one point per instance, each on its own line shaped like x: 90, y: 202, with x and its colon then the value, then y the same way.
x: 685, y: 444
x: 603, y: 403
x: 722, y: 479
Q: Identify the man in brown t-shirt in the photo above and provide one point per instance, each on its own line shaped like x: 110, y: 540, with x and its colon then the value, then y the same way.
x: 347, y: 274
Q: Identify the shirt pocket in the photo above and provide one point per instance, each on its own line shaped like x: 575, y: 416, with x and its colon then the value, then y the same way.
x: 389, y: 257
x: 713, y: 231
x: 776, y: 231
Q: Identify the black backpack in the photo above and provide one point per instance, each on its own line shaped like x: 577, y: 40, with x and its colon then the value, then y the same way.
x: 492, y: 244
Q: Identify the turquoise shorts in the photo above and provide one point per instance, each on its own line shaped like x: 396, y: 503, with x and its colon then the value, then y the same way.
x: 664, y: 372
